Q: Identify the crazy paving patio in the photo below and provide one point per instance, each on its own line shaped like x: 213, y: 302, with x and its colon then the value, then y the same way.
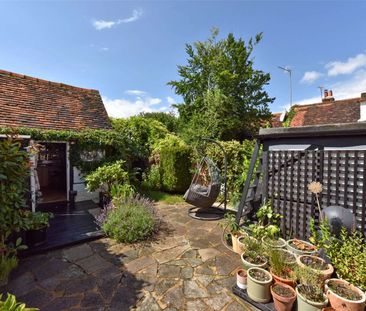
x: 185, y: 267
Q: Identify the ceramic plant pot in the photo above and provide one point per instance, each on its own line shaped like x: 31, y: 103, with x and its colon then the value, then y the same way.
x: 285, y: 300
x: 235, y: 242
x: 281, y: 280
x: 308, y: 248
x: 326, y: 271
x: 247, y: 264
x: 258, y: 288
x: 304, y: 304
x: 339, y: 302
x: 274, y: 244
x: 241, y: 279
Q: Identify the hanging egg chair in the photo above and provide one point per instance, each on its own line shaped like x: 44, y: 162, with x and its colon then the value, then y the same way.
x: 205, y: 185
x: 205, y: 188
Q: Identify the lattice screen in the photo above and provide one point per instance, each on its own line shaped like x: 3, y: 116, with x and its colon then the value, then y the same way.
x: 342, y: 174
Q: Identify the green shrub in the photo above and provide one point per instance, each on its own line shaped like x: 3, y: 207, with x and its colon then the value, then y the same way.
x: 11, y: 304
x: 167, y: 118
x: 129, y: 220
x: 144, y: 132
x: 239, y: 156
x: 174, y: 160
x: 7, y: 264
x: 152, y: 180
x: 104, y: 177
x: 347, y: 252
x: 13, y: 175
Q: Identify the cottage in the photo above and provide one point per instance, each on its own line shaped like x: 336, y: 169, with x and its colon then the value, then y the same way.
x: 32, y: 103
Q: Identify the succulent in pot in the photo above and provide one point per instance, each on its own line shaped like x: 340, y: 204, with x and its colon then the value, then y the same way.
x: 317, y: 264
x: 241, y: 279
x: 258, y: 287
x: 281, y: 271
x: 284, y: 296
x: 300, y: 247
x: 344, y: 296
x: 273, y: 242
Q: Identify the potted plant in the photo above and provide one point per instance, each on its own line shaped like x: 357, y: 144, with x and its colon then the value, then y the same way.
x: 273, y: 242
x: 241, y: 279
x: 252, y: 259
x: 253, y: 256
x: 234, y: 232
x: 310, y: 296
x: 258, y: 287
x: 37, y: 235
x: 300, y: 247
x: 281, y: 271
x: 284, y: 296
x: 317, y: 264
x: 268, y: 223
x: 344, y: 296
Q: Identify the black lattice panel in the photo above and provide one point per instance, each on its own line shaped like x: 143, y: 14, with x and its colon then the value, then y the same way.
x: 289, y: 172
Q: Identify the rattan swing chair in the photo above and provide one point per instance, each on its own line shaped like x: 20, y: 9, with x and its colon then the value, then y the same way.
x: 206, y: 187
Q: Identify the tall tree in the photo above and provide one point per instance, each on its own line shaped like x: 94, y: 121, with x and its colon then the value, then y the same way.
x: 223, y: 93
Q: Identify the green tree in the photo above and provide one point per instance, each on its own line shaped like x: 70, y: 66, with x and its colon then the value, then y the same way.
x: 223, y: 93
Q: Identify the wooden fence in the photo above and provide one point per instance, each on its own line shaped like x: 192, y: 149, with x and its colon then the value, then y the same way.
x: 286, y: 175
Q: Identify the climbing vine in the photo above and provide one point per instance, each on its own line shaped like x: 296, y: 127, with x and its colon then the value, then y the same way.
x: 114, y: 145
x: 289, y: 117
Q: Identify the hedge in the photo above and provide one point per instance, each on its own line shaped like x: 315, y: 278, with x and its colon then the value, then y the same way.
x: 173, y: 157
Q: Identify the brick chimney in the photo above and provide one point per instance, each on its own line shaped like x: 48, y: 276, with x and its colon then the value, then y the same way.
x: 328, y: 96
x: 363, y: 108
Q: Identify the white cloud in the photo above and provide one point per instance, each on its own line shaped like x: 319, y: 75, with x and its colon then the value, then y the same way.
x: 350, y: 88
x: 336, y: 68
x: 136, y: 92
x: 102, y: 24
x: 105, y: 49
x: 123, y: 108
x: 141, y: 102
x: 311, y: 76
x: 171, y: 100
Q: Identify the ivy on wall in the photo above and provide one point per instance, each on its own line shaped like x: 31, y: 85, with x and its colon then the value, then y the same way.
x: 115, y: 145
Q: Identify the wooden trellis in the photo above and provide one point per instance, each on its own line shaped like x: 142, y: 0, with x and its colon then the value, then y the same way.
x: 287, y: 173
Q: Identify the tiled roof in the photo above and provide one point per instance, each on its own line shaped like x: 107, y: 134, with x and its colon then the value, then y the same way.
x: 31, y: 102
x: 328, y: 112
x: 275, y: 121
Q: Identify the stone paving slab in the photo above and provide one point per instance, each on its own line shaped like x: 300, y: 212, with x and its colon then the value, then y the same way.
x: 185, y: 267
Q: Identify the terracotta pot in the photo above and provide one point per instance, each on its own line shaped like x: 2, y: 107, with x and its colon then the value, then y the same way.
x: 267, y: 243
x: 326, y: 274
x: 304, y: 304
x: 280, y: 280
x: 257, y: 290
x: 339, y: 303
x: 247, y: 265
x: 328, y: 309
x: 299, y: 252
x: 283, y: 303
x: 241, y: 279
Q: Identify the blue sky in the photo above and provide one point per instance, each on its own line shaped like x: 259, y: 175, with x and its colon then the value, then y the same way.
x: 129, y: 50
